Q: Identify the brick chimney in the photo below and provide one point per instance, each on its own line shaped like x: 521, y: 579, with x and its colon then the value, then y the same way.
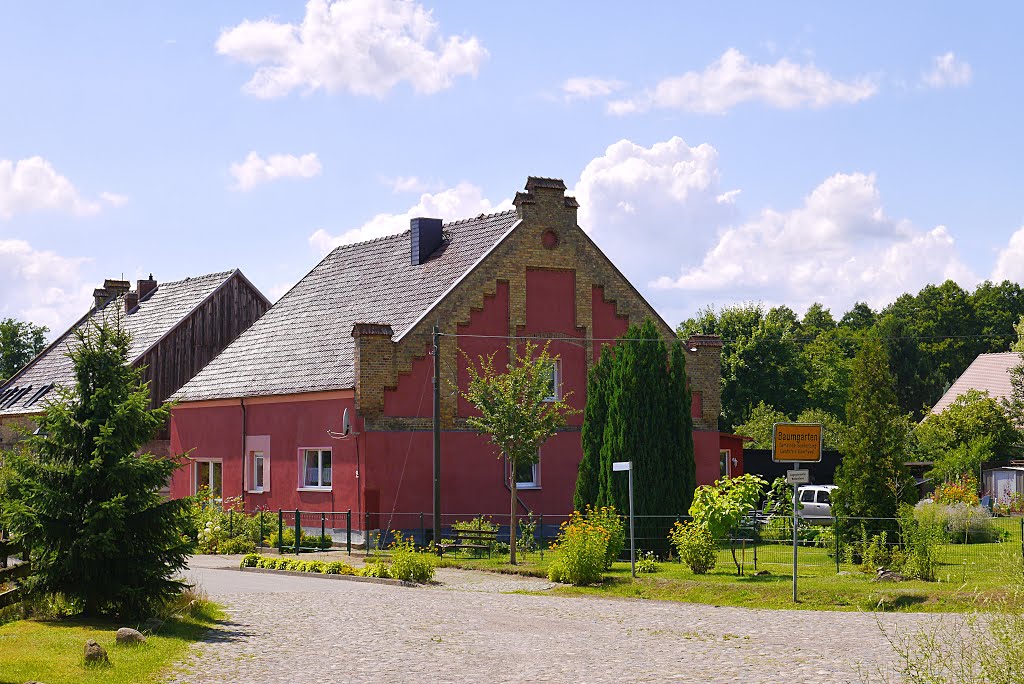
x: 116, y: 288
x: 131, y: 301
x: 100, y: 296
x: 145, y: 287
x: 545, y: 203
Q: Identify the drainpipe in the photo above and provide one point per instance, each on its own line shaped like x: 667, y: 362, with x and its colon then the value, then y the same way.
x: 241, y: 402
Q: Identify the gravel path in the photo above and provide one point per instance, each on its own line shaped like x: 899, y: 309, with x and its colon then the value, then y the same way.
x: 298, y: 629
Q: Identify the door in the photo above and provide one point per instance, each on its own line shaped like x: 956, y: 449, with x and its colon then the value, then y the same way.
x: 1005, y: 485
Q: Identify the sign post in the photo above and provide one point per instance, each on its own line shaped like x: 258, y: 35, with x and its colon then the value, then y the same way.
x: 628, y: 466
x: 796, y: 443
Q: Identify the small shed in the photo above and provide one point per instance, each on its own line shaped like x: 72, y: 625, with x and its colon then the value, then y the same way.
x: 1003, y: 483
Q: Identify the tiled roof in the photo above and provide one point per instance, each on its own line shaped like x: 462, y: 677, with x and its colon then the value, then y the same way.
x: 157, y: 314
x: 988, y: 372
x: 304, y: 343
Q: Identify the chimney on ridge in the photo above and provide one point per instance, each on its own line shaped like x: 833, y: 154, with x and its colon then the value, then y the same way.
x: 131, y: 301
x: 425, y: 236
x: 145, y: 287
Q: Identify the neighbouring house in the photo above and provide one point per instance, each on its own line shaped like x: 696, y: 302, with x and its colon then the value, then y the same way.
x: 987, y: 373
x: 176, y: 328
x: 264, y: 420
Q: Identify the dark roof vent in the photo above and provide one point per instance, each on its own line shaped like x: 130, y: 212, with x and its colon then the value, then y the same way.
x: 425, y: 236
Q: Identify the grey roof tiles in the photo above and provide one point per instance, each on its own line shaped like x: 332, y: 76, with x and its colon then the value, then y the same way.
x: 303, y: 343
x: 988, y: 372
x: 157, y: 314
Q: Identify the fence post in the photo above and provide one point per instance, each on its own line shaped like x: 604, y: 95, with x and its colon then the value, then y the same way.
x: 323, y: 530
x: 835, y: 533
x: 298, y: 531
x: 423, y: 531
x: 366, y: 532
x: 280, y: 531
x: 540, y: 526
x: 348, y: 531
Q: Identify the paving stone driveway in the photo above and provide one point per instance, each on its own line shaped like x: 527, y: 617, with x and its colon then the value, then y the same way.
x: 297, y: 629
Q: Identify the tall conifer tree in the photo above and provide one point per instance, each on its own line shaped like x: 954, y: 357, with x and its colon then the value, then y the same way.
x: 872, y: 478
x: 85, y: 502
x: 588, y: 482
x: 645, y: 402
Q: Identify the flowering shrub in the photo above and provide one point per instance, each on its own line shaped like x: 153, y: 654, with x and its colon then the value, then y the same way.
x: 582, y: 547
x: 961, y: 522
x: 305, y: 540
x: 608, y: 518
x: 409, y: 564
x: 647, y: 563
x: 695, y: 546
x: 964, y: 491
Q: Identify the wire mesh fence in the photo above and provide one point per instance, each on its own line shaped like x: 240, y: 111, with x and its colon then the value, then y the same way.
x: 824, y: 545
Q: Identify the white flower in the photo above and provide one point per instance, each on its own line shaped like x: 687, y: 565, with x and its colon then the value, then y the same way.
x: 217, y: 528
x: 209, y: 524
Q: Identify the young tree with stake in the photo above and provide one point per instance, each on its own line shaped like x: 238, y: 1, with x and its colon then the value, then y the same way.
x: 519, y: 408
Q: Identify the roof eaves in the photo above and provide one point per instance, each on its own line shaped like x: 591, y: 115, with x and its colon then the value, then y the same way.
x: 458, y: 281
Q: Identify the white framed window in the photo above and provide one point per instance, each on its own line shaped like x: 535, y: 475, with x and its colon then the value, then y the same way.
x: 258, y: 472
x: 555, y: 384
x: 527, y: 475
x: 210, y: 474
x: 724, y: 463
x: 315, y: 467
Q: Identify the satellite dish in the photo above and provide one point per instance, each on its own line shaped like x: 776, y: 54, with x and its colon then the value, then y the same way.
x: 346, y: 425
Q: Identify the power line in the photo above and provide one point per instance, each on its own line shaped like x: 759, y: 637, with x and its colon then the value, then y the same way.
x: 851, y: 338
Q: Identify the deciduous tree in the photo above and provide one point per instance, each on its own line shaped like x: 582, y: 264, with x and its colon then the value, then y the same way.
x: 516, y: 410
x: 19, y: 343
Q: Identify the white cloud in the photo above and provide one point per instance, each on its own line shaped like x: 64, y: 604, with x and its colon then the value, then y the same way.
x: 1010, y: 260
x: 947, y: 72
x: 409, y: 184
x: 255, y: 170
x: 462, y: 201
x: 41, y: 286
x: 365, y: 47
x: 114, y: 199
x: 838, y: 247
x: 648, y: 207
x: 586, y: 87
x: 33, y: 184
x: 733, y: 79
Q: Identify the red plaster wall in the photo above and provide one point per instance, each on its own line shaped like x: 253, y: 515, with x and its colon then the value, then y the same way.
x: 607, y: 324
x: 491, y: 320
x: 413, y: 397
x: 216, y: 432
x: 705, y: 453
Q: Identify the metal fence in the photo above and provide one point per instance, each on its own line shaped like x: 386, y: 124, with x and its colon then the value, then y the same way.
x: 758, y: 543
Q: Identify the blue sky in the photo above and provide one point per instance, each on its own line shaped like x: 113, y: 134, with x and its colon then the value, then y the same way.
x: 724, y: 153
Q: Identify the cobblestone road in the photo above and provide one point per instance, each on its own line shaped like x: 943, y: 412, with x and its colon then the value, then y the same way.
x: 297, y: 629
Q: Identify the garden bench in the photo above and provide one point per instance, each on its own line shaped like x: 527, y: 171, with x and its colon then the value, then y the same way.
x: 480, y: 540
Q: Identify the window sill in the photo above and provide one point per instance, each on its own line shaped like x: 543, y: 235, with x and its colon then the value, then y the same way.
x: 314, y: 489
x: 256, y: 491
x: 521, y: 487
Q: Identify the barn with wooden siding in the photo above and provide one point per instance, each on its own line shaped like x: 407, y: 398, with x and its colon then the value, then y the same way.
x: 176, y: 329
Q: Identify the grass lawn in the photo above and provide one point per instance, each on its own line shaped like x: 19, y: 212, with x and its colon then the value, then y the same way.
x: 52, y: 651
x: 971, y: 576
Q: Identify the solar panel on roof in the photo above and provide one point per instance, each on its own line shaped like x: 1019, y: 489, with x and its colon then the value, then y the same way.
x: 39, y: 394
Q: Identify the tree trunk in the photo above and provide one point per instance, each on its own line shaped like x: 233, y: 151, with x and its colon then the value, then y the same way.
x: 512, y: 522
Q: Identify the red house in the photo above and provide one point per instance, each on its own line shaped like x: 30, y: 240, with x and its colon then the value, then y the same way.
x: 355, y: 334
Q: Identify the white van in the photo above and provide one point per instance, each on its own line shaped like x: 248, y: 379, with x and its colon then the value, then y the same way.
x: 817, y: 503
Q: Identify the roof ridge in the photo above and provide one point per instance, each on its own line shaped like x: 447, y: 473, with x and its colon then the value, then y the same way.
x: 454, y: 222
x: 189, y: 278
x: 480, y: 217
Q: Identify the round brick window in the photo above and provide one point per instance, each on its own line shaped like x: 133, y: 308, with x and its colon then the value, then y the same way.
x: 549, y: 239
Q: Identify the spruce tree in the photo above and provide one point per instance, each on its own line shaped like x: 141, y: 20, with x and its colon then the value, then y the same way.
x: 872, y: 479
x: 588, y: 482
x: 85, y: 502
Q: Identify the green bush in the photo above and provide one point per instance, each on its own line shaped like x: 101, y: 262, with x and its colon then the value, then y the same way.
x: 408, y: 564
x: 305, y: 540
x: 338, y: 568
x: 778, y: 528
x: 607, y: 517
x: 251, y: 560
x: 236, y: 545
x: 961, y: 522
x: 582, y: 547
x: 375, y: 568
x: 921, y: 541
x: 827, y: 540
x: 478, y: 524
x: 647, y: 563
x: 695, y: 546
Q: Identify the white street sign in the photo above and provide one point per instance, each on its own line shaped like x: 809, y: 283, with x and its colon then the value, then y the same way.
x: 621, y: 465
x: 798, y: 476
